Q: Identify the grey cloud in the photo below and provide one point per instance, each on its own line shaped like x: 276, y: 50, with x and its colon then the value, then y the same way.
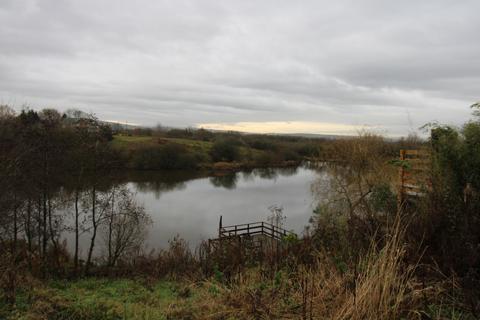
x: 186, y: 62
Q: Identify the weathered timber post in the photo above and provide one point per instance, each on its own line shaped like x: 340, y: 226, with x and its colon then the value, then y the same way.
x: 220, y: 227
x: 401, y: 179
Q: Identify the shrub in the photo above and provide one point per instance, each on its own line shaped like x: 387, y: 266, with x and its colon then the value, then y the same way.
x: 167, y: 156
x: 266, y: 159
x: 226, y: 149
x: 262, y: 144
x: 309, y: 150
x: 290, y: 155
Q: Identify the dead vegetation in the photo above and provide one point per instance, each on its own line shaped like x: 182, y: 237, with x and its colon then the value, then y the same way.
x: 380, y: 286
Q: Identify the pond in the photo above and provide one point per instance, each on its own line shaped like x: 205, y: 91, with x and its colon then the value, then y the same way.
x: 189, y: 204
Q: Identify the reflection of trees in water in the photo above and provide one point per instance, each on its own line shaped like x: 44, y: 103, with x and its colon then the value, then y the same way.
x: 319, y: 167
x: 322, y: 180
x: 144, y: 181
x: 228, y: 181
x: 248, y: 175
x: 288, y: 171
x: 162, y: 181
x: 159, y: 187
x: 270, y: 173
x: 167, y: 181
x: 266, y: 173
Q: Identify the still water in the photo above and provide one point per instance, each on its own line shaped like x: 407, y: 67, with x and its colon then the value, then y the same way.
x: 192, y: 208
x: 190, y: 203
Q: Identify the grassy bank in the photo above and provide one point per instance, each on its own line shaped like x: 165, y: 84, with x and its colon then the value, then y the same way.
x: 136, y: 142
x: 220, y: 154
x: 95, y: 298
x: 381, y: 285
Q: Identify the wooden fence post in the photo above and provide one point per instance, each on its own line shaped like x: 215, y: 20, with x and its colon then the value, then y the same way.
x: 401, y: 179
x: 220, y: 227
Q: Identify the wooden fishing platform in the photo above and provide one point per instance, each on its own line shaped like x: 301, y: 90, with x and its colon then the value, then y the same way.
x: 256, y: 236
x: 253, y: 229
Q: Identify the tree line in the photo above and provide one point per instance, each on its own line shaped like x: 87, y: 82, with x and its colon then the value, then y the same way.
x: 51, y: 169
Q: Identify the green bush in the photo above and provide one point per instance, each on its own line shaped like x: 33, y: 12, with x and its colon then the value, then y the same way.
x: 290, y: 155
x: 383, y: 199
x: 309, y: 150
x: 262, y: 144
x: 225, y: 150
x: 266, y: 159
x: 169, y: 156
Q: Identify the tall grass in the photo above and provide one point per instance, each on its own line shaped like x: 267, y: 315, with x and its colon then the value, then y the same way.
x: 382, y: 283
x: 378, y: 286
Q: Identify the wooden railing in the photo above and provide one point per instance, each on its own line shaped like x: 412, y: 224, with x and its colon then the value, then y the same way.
x: 251, y: 229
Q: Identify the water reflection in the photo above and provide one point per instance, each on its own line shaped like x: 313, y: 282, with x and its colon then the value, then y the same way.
x: 167, y: 181
x: 288, y: 171
x: 227, y: 181
x: 160, y: 182
x: 159, y: 186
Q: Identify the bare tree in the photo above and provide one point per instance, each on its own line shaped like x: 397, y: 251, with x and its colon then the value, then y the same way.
x: 355, y: 179
x: 360, y: 166
x: 6, y: 112
x: 99, y: 204
x: 277, y: 218
x: 77, y: 228
x: 125, y: 232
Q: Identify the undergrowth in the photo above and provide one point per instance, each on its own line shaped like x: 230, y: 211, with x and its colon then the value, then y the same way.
x: 381, y: 285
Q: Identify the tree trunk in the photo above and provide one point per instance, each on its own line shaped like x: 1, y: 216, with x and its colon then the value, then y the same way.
x: 45, y: 177
x: 45, y: 233
x: 75, y: 257
x: 39, y: 226
x: 28, y: 225
x: 110, y: 229
x: 28, y: 232
x: 94, y: 232
x: 15, y: 228
x: 52, y: 234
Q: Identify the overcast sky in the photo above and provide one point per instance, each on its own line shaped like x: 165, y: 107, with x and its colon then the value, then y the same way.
x: 264, y: 66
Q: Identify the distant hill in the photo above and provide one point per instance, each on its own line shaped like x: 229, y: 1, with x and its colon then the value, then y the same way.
x: 115, y: 125
x: 312, y: 135
x: 126, y: 126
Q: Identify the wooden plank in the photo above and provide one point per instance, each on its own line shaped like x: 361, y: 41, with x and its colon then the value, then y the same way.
x: 411, y: 186
x: 243, y: 224
x: 417, y: 152
x: 415, y: 194
x: 419, y: 169
x: 417, y: 161
x: 412, y: 183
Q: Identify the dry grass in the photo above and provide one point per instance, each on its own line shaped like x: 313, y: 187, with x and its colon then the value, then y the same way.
x: 383, y: 285
x: 380, y: 286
